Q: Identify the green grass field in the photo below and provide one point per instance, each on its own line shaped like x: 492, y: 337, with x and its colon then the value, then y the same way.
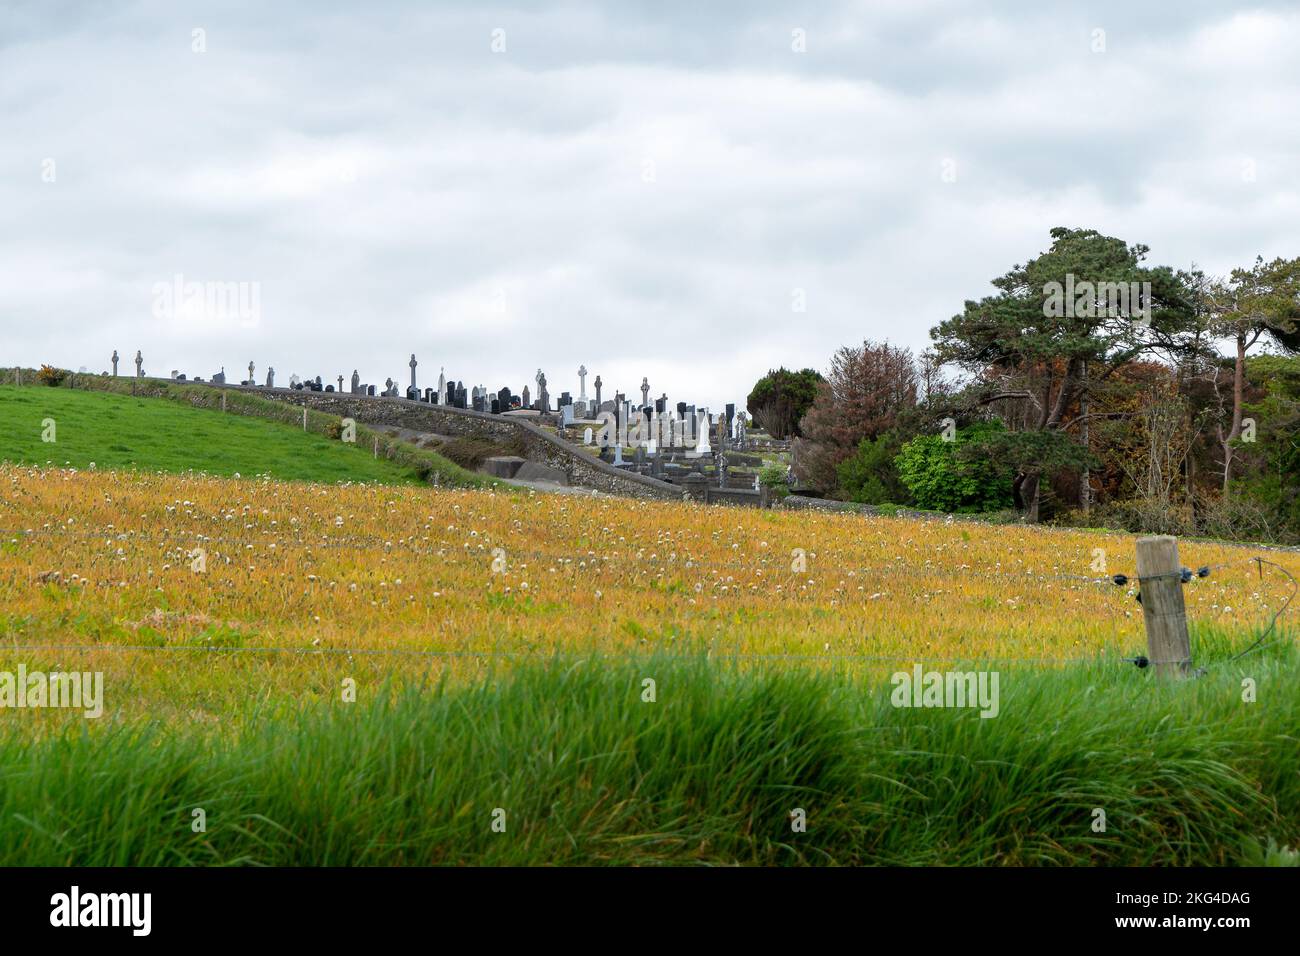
x: 151, y: 434
x: 574, y: 766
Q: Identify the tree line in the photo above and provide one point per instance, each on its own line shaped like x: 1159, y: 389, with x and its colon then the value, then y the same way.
x: 1090, y: 387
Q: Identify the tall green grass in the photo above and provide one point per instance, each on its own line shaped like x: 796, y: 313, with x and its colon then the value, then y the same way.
x: 587, y: 772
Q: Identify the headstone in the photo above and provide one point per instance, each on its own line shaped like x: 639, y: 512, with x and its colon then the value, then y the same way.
x: 660, y: 405
x: 587, y: 436
x: 220, y: 377
x: 503, y: 398
x: 618, y: 453
x: 543, y: 396
x: 496, y: 406
x: 460, y: 395
x: 139, y: 364
x: 356, y: 383
x: 478, y: 403
x: 270, y: 378
x: 329, y: 388
x: 251, y: 369
x: 114, y: 363
x: 582, y: 383
x: 442, y: 384
x: 370, y: 390
x: 645, y: 392
x: 413, y: 393
x: 527, y: 402
x: 565, y: 399
x: 566, y: 414
x: 413, y: 363
x: 430, y: 397
x: 340, y: 383
x: 598, y: 384
x: 702, y: 429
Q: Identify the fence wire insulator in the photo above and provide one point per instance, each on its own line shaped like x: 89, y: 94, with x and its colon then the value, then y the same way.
x: 1120, y: 579
x: 1203, y: 571
x: 1139, y: 661
x: 1185, y: 575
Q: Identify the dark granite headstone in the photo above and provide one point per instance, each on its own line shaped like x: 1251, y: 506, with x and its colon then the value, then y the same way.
x: 370, y: 390
x: 329, y: 388
x: 496, y: 406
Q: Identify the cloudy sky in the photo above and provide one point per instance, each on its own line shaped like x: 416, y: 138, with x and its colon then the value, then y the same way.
x: 692, y: 192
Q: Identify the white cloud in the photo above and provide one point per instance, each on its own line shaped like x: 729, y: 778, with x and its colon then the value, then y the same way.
x: 393, y: 186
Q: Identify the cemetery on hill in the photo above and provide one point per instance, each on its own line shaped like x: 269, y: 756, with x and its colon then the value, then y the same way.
x: 674, y: 448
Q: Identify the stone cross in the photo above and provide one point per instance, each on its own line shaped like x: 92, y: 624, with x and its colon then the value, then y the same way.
x: 340, y: 383
x: 413, y: 363
x: 645, y: 392
x: 250, y: 373
x: 139, y: 364
x: 114, y: 363
x: 582, y: 383
x: 526, y: 403
x: 598, y: 383
x: 270, y: 378
x: 543, y: 397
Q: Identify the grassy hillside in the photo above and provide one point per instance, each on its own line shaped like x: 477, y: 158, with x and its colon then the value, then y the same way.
x: 119, y: 432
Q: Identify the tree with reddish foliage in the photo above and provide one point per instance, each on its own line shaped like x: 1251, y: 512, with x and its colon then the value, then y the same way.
x: 865, y: 391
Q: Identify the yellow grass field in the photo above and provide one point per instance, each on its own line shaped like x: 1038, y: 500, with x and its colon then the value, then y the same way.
x: 200, y: 596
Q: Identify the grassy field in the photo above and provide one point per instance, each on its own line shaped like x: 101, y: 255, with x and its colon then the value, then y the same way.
x: 567, y: 762
x: 364, y: 673
x: 120, y: 432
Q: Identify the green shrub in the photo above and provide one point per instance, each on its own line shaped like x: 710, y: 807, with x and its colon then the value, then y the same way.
x: 940, y: 478
x: 869, y: 476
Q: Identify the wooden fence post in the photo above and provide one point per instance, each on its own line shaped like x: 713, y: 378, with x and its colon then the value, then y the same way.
x: 1158, y: 570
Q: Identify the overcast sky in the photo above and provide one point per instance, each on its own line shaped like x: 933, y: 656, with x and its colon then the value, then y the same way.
x: 648, y: 188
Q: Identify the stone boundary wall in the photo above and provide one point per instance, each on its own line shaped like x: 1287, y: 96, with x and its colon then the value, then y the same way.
x: 377, y: 411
